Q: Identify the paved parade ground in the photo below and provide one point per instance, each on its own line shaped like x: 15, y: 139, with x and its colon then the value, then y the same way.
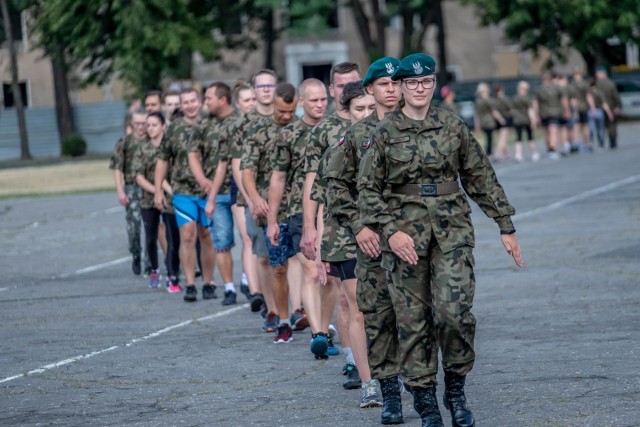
x: 85, y: 343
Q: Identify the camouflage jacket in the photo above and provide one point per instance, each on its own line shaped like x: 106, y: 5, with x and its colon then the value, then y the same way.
x: 439, y: 149
x: 145, y: 164
x: 521, y: 105
x: 205, y: 140
x: 175, y: 150
x: 549, y: 99
x: 289, y: 157
x: 122, y: 157
x: 609, y: 93
x: 223, y: 128
x: 235, y: 134
x: 324, y: 135
x: 484, y: 111
x: 260, y: 142
x: 342, y: 174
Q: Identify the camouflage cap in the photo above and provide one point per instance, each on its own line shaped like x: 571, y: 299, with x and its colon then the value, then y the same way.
x: 383, y: 67
x: 415, y: 65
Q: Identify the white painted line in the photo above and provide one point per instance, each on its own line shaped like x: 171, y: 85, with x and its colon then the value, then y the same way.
x: 4, y: 289
x: 113, y: 210
x: 129, y: 344
x: 96, y: 267
x: 581, y: 196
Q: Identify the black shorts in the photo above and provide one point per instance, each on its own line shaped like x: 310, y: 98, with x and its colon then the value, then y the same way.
x: 346, y: 269
x: 548, y: 121
x: 583, y: 117
x: 295, y: 229
x: 523, y: 128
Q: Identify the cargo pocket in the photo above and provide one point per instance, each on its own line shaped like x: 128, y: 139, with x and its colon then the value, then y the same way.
x: 366, y: 291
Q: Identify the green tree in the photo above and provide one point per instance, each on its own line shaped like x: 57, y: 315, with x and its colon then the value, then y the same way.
x: 584, y: 25
x: 141, y: 42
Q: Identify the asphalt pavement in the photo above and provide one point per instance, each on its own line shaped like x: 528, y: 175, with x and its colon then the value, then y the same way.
x: 84, y: 342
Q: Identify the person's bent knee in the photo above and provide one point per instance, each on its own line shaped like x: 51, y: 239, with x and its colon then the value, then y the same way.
x: 279, y: 271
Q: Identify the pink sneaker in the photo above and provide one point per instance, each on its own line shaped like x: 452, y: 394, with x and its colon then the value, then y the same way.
x: 154, y: 279
x: 174, y: 288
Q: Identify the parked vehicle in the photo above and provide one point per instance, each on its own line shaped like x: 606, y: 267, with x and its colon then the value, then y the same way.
x: 629, y: 91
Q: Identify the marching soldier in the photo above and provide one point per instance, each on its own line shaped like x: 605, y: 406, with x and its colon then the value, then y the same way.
x: 409, y: 193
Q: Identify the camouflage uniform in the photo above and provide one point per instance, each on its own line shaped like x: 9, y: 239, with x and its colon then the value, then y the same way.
x: 549, y: 99
x: 145, y: 164
x: 289, y: 157
x: 432, y: 299
x: 205, y: 140
x: 260, y: 142
x: 122, y: 159
x: 175, y: 150
x: 214, y: 133
x: 337, y: 243
x: 611, y: 96
x: 235, y: 135
x: 372, y: 292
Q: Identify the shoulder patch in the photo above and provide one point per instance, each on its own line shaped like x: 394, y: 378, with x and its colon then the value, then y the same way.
x: 400, y: 139
x: 341, y: 141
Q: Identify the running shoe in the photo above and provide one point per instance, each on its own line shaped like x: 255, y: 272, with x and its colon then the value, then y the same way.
x: 229, y: 298
x: 257, y: 301
x: 332, y: 350
x: 319, y: 345
x: 190, y: 293
x: 284, y: 334
x: 136, y: 266
x: 209, y: 291
x: 271, y: 322
x: 371, y: 395
x: 245, y: 290
x: 154, y: 279
x: 174, y: 288
x: 299, y: 320
x: 353, y: 378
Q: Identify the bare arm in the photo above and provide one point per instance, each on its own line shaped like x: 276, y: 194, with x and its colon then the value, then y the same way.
x: 308, y: 243
x: 161, y: 172
x: 196, y: 169
x: 259, y: 205
x: 276, y: 192
x: 118, y: 177
x: 145, y: 184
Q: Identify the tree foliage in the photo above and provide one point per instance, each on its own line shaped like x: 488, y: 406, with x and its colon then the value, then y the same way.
x: 585, y: 25
x: 142, y: 42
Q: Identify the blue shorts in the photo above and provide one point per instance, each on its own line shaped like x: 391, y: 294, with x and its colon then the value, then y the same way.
x: 278, y: 255
x: 190, y: 208
x: 222, y: 224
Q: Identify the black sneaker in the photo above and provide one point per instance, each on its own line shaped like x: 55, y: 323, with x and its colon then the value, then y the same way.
x: 245, y: 290
x: 198, y: 272
x: 229, y: 298
x: 209, y: 291
x: 136, y: 266
x: 190, y: 293
x: 353, y: 378
x: 257, y: 301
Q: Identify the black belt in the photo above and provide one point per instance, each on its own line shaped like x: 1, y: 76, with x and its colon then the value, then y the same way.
x: 425, y: 189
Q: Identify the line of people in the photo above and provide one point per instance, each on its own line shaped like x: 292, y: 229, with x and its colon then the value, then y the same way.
x: 573, y: 115
x: 356, y: 214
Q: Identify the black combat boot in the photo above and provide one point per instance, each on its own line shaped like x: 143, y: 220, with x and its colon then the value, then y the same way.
x: 426, y: 404
x: 391, y: 401
x: 456, y: 402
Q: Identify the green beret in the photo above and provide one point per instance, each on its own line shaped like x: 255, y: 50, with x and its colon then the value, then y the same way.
x: 415, y: 65
x: 383, y: 67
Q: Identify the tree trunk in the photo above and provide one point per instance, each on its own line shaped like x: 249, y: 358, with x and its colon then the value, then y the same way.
x: 64, y: 112
x: 270, y: 38
x: 438, y: 18
x: 15, y: 86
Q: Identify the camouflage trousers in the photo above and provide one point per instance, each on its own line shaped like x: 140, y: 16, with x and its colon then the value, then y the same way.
x: 134, y: 218
x: 433, y: 301
x: 374, y: 301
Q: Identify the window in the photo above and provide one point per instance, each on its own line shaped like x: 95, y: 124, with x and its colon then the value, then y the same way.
x: 9, y: 100
x: 321, y: 72
x: 16, y: 25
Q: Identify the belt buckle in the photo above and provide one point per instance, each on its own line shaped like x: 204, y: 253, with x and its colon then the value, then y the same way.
x: 428, y: 189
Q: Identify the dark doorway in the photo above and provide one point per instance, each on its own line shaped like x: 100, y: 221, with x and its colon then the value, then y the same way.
x: 321, y: 72
x: 9, y: 100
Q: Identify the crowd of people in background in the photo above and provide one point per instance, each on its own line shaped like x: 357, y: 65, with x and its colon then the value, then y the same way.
x: 575, y: 116
x: 192, y: 166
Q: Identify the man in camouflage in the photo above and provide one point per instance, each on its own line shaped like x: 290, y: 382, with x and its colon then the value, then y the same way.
x: 218, y: 101
x: 551, y: 106
x: 409, y: 193
x: 287, y: 161
x: 324, y: 135
x: 129, y: 193
x: 264, y: 83
x: 372, y: 290
x: 256, y: 174
x: 611, y: 96
x: 189, y: 197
